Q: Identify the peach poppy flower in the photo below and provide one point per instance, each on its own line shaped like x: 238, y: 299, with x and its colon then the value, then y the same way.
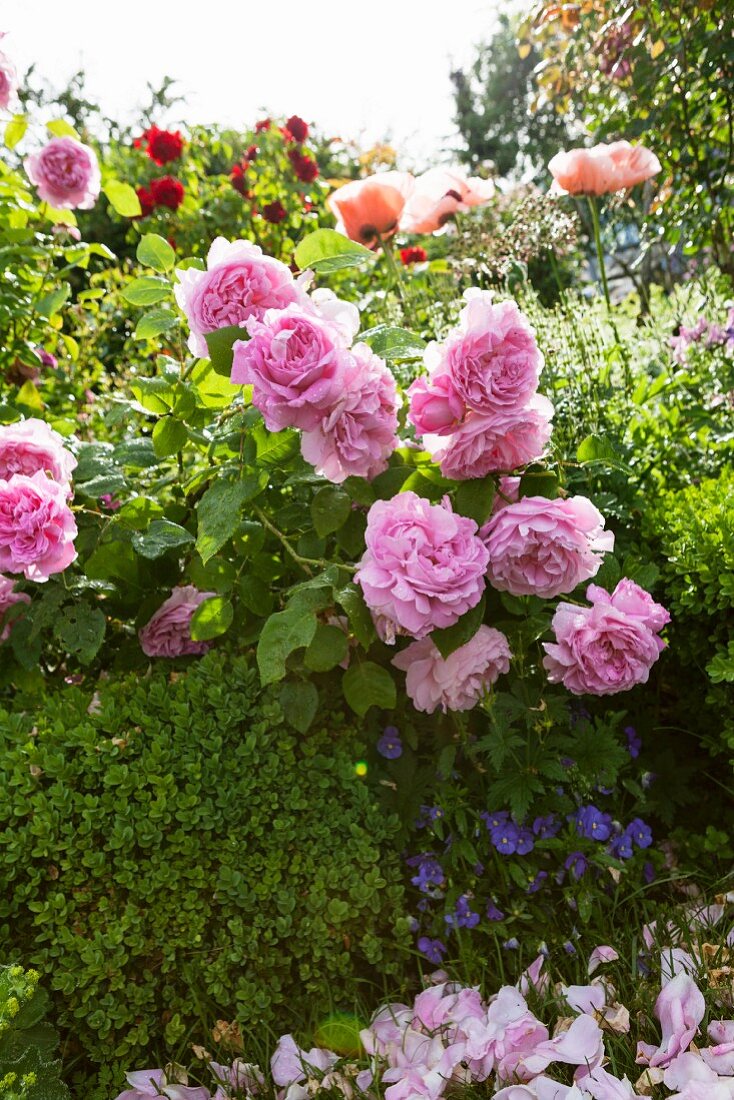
x: 602, y: 169
x: 370, y: 209
x: 439, y: 194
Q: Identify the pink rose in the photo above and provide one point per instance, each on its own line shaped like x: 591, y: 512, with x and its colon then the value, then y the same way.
x: 168, y: 632
x: 9, y: 597
x: 491, y: 357
x: 239, y: 283
x: 435, y: 406
x: 541, y: 547
x: 37, y: 528
x: 66, y: 174
x: 424, y: 565
x: 633, y: 601
x: 439, y: 194
x: 369, y: 210
x: 8, y: 82
x: 508, y: 492
x: 294, y: 361
x: 356, y: 437
x: 489, y: 444
x: 459, y: 681
x: 600, y: 650
x: 30, y: 445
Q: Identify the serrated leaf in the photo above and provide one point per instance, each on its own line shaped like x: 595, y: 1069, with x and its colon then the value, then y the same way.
x: 218, y: 511
x: 274, y: 448
x: 80, y: 629
x: 153, y: 251
x: 475, y: 498
x: 596, y: 448
x: 160, y: 537
x: 326, y: 251
x: 154, y: 323
x: 211, y: 618
x: 360, y: 621
x: 393, y: 343
x: 330, y: 508
x: 366, y: 685
x: 169, y: 436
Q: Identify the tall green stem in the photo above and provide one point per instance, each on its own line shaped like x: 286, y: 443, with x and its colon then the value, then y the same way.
x: 393, y: 268
x: 599, y: 250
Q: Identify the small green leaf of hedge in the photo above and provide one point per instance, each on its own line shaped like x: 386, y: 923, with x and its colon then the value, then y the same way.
x: 300, y: 701
x: 366, y: 685
x: 211, y: 618
x: 326, y: 251
x: 153, y: 251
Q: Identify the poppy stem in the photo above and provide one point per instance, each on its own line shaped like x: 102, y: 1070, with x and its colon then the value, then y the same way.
x: 599, y: 250
x: 393, y: 268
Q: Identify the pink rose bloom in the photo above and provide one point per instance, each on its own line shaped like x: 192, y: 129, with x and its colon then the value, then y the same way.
x: 435, y: 406
x: 491, y: 357
x: 599, y: 650
x: 492, y: 443
x: 168, y: 632
x: 65, y: 173
x: 541, y: 547
x: 30, y: 445
x: 508, y: 492
x: 37, y: 528
x: 424, y: 565
x: 294, y: 361
x: 368, y: 210
x: 633, y: 601
x: 8, y: 597
x: 459, y: 681
x: 356, y: 436
x: 239, y: 283
x: 439, y: 194
x: 8, y: 81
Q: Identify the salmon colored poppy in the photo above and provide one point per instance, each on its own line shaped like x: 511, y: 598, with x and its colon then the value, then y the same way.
x: 439, y: 194
x: 369, y: 210
x: 602, y: 169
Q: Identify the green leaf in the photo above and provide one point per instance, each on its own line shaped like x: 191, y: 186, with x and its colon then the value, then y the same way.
x: 15, y: 130
x: 147, y: 290
x: 330, y: 508
x: 328, y: 648
x: 154, y: 323
x: 448, y: 640
x: 394, y: 343
x: 161, y: 536
x: 53, y: 301
x: 360, y: 621
x: 139, y: 513
x: 366, y: 685
x: 282, y: 634
x: 539, y: 483
x: 123, y: 198
x: 220, y: 344
x: 475, y: 498
x: 28, y: 397
x: 153, y: 251
x: 169, y: 436
x: 61, y: 128
x: 80, y: 629
x: 326, y: 250
x: 218, y: 511
x: 300, y: 701
x: 274, y: 448
x: 211, y: 618
x: 596, y: 448
x: 213, y: 391
x: 157, y: 395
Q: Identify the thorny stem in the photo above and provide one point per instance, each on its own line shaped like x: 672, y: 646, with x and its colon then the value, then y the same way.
x: 305, y: 563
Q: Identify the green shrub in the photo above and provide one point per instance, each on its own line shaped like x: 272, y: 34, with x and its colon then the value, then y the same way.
x: 27, y: 1043
x: 174, y: 852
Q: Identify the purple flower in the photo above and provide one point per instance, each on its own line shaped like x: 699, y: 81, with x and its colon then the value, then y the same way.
x: 593, y: 824
x: 569, y: 948
x: 621, y: 847
x: 639, y: 833
x: 546, y: 827
x: 427, y: 815
x: 634, y: 742
x: 505, y: 838
x: 463, y: 916
x: 492, y: 820
x: 525, y: 842
x: 478, y: 868
x: 511, y: 944
x: 390, y: 746
x: 576, y: 863
x: 493, y: 913
x: 648, y: 873
x: 434, y: 950
x: 429, y: 872
x: 567, y: 761
x: 537, y: 882
x: 47, y: 358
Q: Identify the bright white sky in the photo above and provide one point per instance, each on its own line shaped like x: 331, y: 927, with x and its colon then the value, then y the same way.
x: 359, y: 68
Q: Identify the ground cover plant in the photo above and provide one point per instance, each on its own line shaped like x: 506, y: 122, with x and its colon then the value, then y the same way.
x: 366, y: 597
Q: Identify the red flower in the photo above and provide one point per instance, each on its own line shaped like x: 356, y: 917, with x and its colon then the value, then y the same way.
x: 252, y: 151
x: 147, y: 202
x: 297, y: 128
x: 305, y: 167
x: 262, y: 125
x: 413, y: 255
x: 274, y: 212
x: 163, y: 145
x: 237, y: 178
x: 167, y: 191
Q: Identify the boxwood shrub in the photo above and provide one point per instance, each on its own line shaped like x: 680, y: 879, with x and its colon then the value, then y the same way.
x: 171, y: 852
